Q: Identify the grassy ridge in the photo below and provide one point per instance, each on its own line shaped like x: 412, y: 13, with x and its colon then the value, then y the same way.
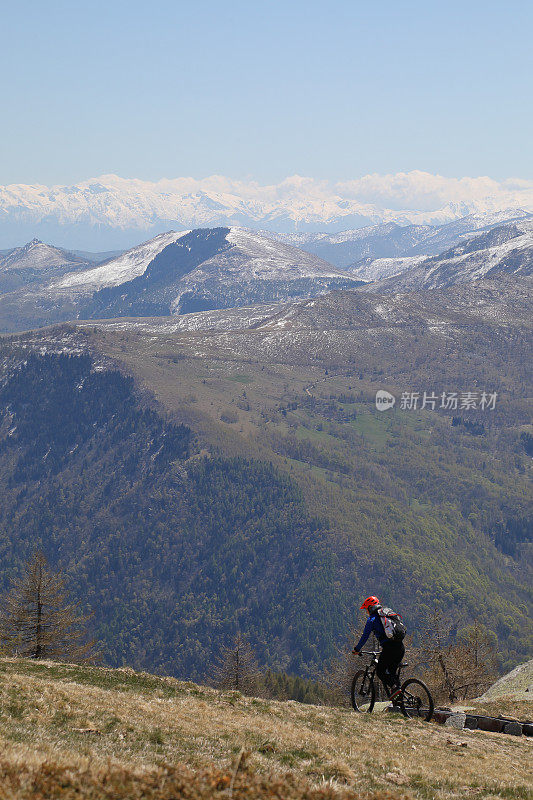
x: 70, y: 731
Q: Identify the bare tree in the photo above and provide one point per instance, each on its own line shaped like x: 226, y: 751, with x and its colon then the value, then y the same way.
x: 434, y: 657
x: 37, y: 620
x: 457, y: 664
x: 237, y: 668
x: 477, y: 650
x: 339, y: 672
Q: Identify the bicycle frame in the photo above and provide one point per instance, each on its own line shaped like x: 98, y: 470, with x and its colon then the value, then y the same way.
x: 370, y: 670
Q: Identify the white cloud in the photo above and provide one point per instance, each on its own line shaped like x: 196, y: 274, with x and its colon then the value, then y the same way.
x: 426, y: 192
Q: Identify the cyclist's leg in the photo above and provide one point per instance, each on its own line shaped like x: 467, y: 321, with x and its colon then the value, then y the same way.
x: 382, y: 668
x: 399, y: 653
x: 387, y: 667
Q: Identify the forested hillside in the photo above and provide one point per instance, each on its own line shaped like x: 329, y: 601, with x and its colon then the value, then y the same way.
x: 429, y: 507
x: 171, y: 552
x: 274, y: 495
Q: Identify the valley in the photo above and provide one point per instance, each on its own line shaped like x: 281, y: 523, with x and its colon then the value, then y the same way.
x: 432, y: 506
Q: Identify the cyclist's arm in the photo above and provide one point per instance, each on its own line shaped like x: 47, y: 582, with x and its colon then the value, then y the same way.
x: 366, y: 633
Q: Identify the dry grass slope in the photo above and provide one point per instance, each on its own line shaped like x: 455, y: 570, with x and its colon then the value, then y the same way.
x: 518, y: 683
x: 86, y: 732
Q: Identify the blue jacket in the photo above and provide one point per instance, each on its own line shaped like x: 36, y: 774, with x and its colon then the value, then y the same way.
x: 373, y: 625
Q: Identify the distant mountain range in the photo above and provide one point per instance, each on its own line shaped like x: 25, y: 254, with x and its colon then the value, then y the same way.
x: 380, y: 252
x: 110, y: 212
x: 356, y: 248
x: 503, y: 250
x: 205, y: 269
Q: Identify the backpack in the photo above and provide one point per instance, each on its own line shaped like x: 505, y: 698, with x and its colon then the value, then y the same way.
x: 392, y: 624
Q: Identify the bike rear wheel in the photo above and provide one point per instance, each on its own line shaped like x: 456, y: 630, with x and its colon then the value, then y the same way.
x: 416, y: 700
x: 363, y: 692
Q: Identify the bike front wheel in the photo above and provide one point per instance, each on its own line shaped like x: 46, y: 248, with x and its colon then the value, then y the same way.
x: 416, y: 700
x: 363, y: 692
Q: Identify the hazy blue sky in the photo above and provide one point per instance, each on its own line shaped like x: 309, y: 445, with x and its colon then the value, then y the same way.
x: 264, y: 90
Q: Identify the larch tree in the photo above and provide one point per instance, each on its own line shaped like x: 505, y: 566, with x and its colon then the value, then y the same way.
x: 38, y: 621
x: 478, y: 652
x: 237, y: 668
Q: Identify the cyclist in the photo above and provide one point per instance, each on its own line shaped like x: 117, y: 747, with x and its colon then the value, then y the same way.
x: 392, y: 651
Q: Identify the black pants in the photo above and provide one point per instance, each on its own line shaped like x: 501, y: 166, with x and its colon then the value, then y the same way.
x: 389, y: 660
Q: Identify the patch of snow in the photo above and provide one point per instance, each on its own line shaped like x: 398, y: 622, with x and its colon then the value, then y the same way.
x: 118, y: 270
x: 381, y: 268
x: 272, y: 259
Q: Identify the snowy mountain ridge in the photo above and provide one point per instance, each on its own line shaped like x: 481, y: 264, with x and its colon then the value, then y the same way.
x: 110, y: 209
x: 503, y: 250
x: 265, y: 259
x: 173, y: 273
x: 125, y: 267
x: 470, y: 222
x: 349, y: 249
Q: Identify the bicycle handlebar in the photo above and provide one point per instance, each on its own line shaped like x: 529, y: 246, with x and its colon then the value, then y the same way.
x: 370, y: 652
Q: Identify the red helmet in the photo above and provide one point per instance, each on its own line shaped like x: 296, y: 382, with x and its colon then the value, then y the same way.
x: 370, y: 601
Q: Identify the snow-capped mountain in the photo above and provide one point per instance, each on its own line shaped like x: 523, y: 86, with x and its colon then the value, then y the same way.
x: 506, y: 250
x: 208, y: 269
x: 109, y: 211
x: 36, y: 262
x: 175, y: 272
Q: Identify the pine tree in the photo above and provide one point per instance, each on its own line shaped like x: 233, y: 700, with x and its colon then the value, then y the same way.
x: 37, y: 620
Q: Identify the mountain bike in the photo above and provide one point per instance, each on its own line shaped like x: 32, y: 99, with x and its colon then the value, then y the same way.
x: 415, y: 699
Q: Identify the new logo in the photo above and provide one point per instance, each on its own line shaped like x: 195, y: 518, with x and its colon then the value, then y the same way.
x: 384, y: 400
